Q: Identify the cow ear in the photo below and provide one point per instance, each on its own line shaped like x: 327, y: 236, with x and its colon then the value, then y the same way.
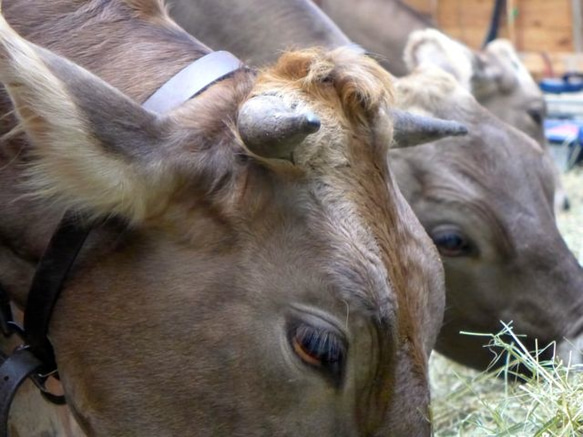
x: 490, y: 78
x: 504, y: 66
x: 434, y: 48
x: 94, y: 149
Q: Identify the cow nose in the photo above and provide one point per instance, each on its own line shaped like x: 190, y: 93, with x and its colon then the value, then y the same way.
x: 566, y: 204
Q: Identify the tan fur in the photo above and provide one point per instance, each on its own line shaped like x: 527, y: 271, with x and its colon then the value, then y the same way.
x: 343, y: 69
x: 149, y: 8
x: 51, y: 119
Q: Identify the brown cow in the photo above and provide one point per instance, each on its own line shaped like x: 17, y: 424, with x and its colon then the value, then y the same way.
x: 497, y: 79
x: 495, y: 76
x: 486, y: 201
x: 504, y: 84
x: 246, y: 286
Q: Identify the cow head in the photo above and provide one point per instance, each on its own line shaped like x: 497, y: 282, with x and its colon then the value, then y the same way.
x: 495, y: 76
x: 240, y: 289
x: 486, y: 201
x: 497, y: 79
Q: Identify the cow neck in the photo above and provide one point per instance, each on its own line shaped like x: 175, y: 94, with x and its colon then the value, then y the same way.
x: 36, y: 359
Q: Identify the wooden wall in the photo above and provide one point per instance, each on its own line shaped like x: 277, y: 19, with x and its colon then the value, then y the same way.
x: 535, y: 25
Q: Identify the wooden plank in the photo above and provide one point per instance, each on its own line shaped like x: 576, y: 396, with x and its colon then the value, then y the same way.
x: 539, y: 25
x: 548, y: 40
x: 544, y: 25
x: 473, y: 37
x: 457, y: 13
x: 544, y: 13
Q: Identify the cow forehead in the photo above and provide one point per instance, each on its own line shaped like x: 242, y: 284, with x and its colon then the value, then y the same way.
x: 344, y: 80
x: 351, y: 94
x: 356, y: 265
x: 492, y: 175
x: 496, y: 156
x: 329, y: 213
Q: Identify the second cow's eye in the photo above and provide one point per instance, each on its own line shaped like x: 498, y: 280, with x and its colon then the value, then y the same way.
x: 451, y: 242
x: 537, y: 115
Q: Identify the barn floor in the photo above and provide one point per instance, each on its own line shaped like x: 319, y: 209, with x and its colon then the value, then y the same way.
x: 466, y: 403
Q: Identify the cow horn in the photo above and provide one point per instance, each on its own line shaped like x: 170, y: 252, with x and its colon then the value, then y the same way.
x: 412, y: 130
x: 269, y: 128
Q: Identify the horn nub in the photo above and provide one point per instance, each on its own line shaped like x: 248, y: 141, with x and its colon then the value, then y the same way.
x: 271, y: 129
x: 412, y: 130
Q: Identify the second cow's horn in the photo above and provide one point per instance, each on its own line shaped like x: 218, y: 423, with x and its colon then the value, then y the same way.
x: 411, y: 129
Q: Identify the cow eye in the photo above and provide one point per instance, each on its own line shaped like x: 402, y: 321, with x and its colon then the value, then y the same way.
x: 451, y: 242
x: 537, y: 115
x: 319, y: 348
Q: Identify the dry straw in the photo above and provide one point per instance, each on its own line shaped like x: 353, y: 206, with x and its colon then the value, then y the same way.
x: 549, y: 403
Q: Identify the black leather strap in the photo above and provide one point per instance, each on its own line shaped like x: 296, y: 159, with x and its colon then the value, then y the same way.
x: 51, y: 272
x: 13, y: 371
x: 6, y: 317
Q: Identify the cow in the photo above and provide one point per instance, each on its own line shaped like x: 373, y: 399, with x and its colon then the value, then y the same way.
x: 486, y: 200
x: 497, y: 79
x: 252, y: 267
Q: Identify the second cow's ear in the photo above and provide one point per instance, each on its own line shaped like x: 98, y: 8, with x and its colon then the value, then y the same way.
x: 502, y: 64
x: 431, y: 47
x: 93, y: 147
x: 482, y: 74
x: 489, y: 78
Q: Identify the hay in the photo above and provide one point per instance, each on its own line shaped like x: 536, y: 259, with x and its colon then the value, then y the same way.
x: 468, y: 403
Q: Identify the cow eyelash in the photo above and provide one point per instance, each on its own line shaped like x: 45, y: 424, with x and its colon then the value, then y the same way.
x: 319, y: 348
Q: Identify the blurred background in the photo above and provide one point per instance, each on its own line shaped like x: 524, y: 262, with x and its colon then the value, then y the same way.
x: 547, y: 33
